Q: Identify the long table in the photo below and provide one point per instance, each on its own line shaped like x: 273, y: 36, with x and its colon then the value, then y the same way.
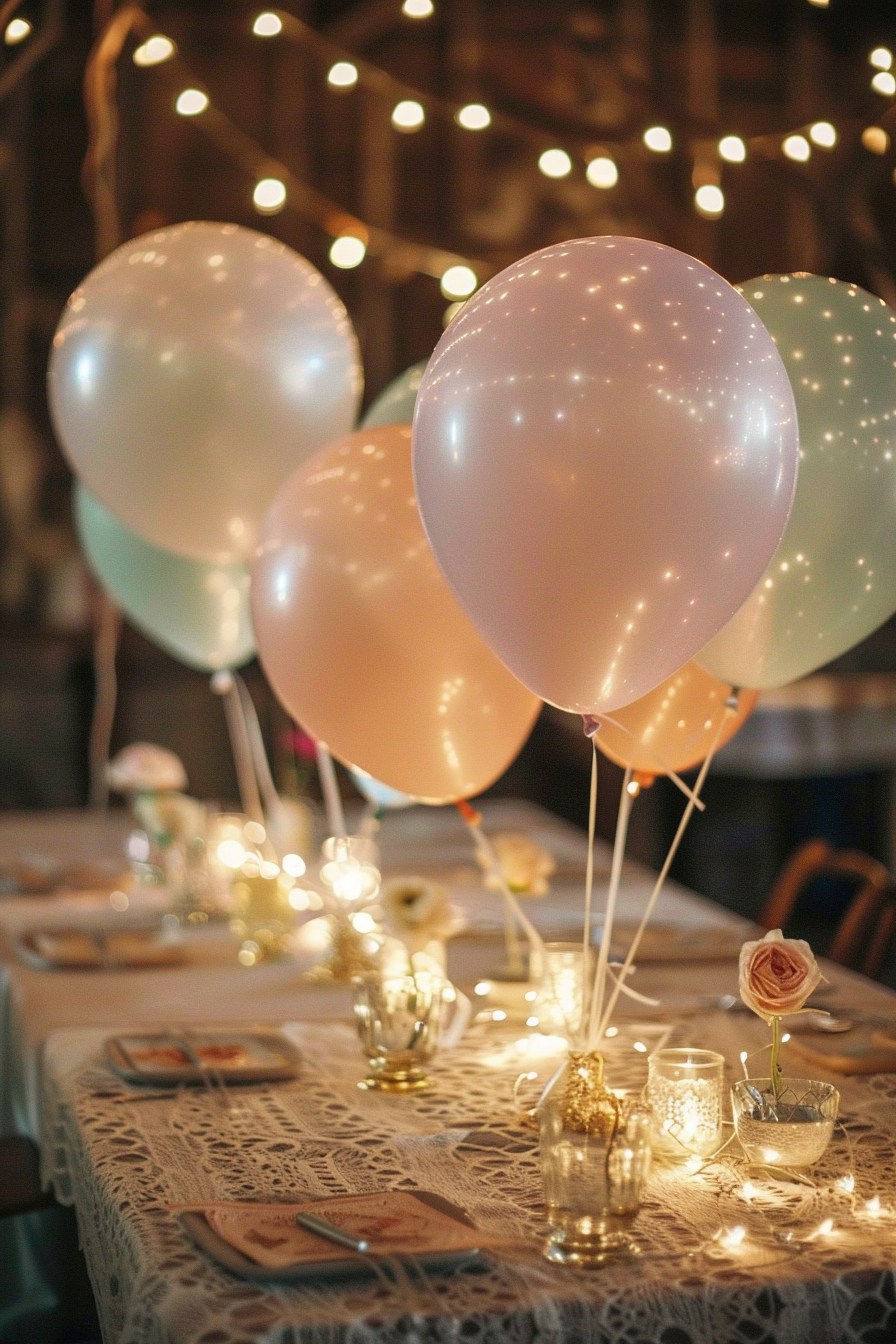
x: 717, y: 1263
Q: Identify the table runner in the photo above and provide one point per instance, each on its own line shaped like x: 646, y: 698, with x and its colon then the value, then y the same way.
x: 124, y: 1163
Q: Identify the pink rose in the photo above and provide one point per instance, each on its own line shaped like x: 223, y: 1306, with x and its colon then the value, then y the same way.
x: 777, y: 975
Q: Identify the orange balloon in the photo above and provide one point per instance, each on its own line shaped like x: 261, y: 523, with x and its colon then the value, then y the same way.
x: 674, y: 726
x: 361, y: 638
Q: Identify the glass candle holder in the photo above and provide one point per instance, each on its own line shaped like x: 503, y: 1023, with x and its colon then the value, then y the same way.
x: 792, y: 1129
x: 399, y: 1019
x: 350, y: 868
x: 559, y: 1002
x: 685, y: 1090
x: 593, y: 1167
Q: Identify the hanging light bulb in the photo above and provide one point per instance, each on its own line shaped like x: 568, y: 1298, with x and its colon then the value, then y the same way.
x: 342, y: 75
x: 458, y: 282
x: 876, y: 139
x: 732, y: 148
x: 417, y: 9
x: 154, y: 51
x: 16, y: 31
x: 191, y: 102
x: 473, y: 117
x: 408, y: 115
x: 881, y: 58
x: 822, y: 133
x: 269, y: 196
x: 797, y: 147
x: 267, y: 24
x: 348, y: 252
x: 555, y: 163
x: 602, y: 172
x: 709, y: 200
x: 658, y: 139
x: 884, y: 83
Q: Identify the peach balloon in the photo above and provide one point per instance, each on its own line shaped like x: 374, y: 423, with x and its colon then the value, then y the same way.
x: 674, y: 726
x: 363, y: 641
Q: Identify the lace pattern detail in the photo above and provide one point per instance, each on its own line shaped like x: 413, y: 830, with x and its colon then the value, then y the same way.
x: 125, y: 1163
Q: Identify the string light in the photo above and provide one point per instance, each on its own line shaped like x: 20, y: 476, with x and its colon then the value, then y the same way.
x: 658, y: 139
x: 267, y: 24
x: 884, y: 83
x: 417, y: 9
x: 732, y: 148
x: 876, y: 139
x: 797, y: 147
x: 348, y: 252
x: 602, y: 172
x: 709, y: 200
x: 820, y: 4
x: 408, y: 115
x: 823, y: 134
x: 294, y: 865
x: 473, y: 117
x: 191, y: 102
x: 555, y: 163
x: 154, y: 51
x: 459, y: 282
x: 342, y: 75
x: 16, y: 31
x: 269, y: 196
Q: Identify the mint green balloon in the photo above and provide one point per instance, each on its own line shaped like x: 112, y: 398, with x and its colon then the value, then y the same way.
x: 395, y: 405
x: 832, y: 579
x: 197, y: 612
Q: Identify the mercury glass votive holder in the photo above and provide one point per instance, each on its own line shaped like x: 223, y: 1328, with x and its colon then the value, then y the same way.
x: 685, y: 1092
x: 398, y: 1019
x: 790, y: 1129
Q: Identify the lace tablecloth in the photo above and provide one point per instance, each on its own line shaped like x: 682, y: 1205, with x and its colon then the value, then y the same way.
x: 722, y: 1262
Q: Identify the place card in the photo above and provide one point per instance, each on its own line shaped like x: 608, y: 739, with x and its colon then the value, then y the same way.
x: 170, y: 1058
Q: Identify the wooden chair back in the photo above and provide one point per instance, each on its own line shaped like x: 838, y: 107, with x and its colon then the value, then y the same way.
x: 865, y: 932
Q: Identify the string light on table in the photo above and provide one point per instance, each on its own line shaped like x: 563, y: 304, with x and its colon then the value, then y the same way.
x: 348, y: 252
x: 797, y: 148
x: 884, y: 82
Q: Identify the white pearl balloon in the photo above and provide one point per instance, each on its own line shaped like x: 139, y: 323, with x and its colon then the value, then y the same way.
x: 192, y: 372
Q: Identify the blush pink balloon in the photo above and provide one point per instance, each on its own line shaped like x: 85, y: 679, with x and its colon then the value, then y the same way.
x: 605, y: 454
x: 361, y: 637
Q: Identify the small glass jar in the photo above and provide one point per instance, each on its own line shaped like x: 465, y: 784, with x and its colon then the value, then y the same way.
x: 559, y: 1002
x: 685, y: 1090
x: 790, y: 1129
x: 595, y: 1156
x: 400, y: 1020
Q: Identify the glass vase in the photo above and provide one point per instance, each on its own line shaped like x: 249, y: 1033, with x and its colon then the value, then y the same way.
x: 790, y: 1128
x: 595, y: 1156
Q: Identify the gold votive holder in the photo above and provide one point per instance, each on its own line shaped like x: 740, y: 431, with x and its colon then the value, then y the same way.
x: 685, y: 1092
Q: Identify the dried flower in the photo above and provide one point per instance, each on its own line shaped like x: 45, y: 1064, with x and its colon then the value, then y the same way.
x: 526, y: 865
x: 777, y: 975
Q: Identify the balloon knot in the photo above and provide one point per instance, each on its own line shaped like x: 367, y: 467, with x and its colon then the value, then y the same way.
x: 590, y: 724
x: 469, y: 814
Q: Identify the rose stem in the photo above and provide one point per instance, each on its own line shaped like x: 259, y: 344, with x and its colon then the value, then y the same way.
x: 775, y: 1067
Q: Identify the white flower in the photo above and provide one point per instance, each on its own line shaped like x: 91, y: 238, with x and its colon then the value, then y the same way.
x: 526, y: 865
x: 418, y: 912
x: 144, y: 768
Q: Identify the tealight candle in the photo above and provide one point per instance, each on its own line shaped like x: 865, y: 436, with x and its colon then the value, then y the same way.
x: 685, y: 1090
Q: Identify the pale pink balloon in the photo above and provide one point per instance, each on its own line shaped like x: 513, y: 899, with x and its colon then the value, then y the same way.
x: 361, y: 637
x: 605, y: 454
